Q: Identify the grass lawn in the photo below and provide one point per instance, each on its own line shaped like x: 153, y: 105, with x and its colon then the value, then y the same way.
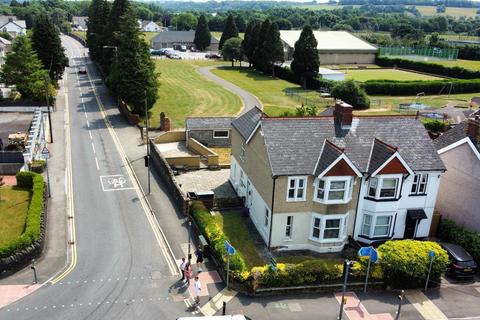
x: 184, y: 92
x: 299, y: 259
x: 223, y: 154
x: 217, y: 34
x: 270, y: 91
x: 467, y: 64
x: 81, y: 34
x: 386, y: 74
x: 13, y: 212
x: 233, y: 225
x: 451, y: 11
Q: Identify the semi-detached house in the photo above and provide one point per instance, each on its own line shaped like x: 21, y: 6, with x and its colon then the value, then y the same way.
x: 310, y: 183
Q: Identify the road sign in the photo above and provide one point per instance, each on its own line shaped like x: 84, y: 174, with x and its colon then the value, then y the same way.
x: 368, y: 252
x: 273, y: 264
x: 431, y: 254
x: 230, y: 249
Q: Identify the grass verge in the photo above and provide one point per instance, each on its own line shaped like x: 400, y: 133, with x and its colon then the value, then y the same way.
x: 387, y: 74
x: 13, y: 212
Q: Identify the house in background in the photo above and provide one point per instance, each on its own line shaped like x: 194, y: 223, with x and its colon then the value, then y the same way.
x: 334, y: 47
x: 149, y: 26
x: 79, y: 23
x: 176, y: 39
x: 210, y: 131
x: 13, y: 26
x: 312, y: 182
x: 5, y: 47
x: 459, y: 193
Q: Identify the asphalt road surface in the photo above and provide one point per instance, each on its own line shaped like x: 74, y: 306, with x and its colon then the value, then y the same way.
x: 121, y: 268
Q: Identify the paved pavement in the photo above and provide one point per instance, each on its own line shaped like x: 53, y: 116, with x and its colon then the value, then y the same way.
x: 248, y: 99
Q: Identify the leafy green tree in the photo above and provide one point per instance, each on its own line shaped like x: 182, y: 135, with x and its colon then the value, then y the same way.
x: 23, y: 69
x: 230, y: 31
x: 111, y: 34
x: 250, y: 40
x: 144, y: 13
x: 202, y: 34
x: 98, y: 13
x: 305, y: 57
x: 350, y: 92
x: 273, y: 48
x: 133, y: 74
x: 232, y: 50
x: 259, y: 55
x: 184, y: 21
x: 46, y: 42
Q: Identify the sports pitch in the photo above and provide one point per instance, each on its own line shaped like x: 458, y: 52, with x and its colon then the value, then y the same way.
x: 386, y: 74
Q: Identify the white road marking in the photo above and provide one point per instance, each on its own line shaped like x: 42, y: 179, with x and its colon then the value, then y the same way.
x: 96, y: 163
x: 90, y: 134
x: 93, y: 147
x: 88, y: 124
x: 86, y: 117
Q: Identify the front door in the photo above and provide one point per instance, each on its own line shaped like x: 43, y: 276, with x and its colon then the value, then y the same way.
x: 410, y: 226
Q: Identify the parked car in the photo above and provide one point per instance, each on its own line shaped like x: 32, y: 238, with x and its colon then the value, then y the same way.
x: 461, y: 263
x: 175, y: 56
x: 212, y: 56
x: 157, y: 52
x: 82, y: 69
x: 183, y: 48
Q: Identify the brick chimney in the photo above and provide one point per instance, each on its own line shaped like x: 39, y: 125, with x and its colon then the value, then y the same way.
x: 473, y: 129
x: 343, y: 114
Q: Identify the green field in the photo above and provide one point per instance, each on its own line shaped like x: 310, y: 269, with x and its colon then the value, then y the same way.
x: 386, y: 74
x: 435, y: 101
x: 467, y: 64
x: 270, y: 91
x: 217, y: 35
x: 81, y: 34
x: 320, y: 6
x: 451, y: 11
x: 184, y: 92
x: 13, y: 212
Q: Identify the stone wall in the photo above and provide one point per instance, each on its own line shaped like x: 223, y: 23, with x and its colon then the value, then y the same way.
x: 206, y: 138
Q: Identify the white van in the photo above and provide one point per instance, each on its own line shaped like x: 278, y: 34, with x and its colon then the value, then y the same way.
x: 229, y: 317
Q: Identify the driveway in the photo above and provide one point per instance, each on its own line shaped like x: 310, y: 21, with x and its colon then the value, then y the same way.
x: 249, y: 100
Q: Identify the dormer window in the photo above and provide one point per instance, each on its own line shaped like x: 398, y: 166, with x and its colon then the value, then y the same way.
x: 333, y: 190
x: 385, y: 187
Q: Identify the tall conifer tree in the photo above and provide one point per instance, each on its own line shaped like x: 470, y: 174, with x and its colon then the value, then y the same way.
x: 230, y: 31
x: 98, y: 13
x: 305, y: 57
x: 202, y: 34
x: 250, y: 40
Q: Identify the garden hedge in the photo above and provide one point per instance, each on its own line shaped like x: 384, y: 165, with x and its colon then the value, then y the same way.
x: 405, y: 263
x: 34, y: 214
x: 449, y: 231
x: 451, y: 72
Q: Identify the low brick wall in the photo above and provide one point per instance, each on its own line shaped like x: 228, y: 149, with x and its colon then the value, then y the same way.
x: 166, y: 173
x: 189, y: 162
x: 132, y: 119
x: 212, y: 157
x: 170, y: 136
x: 21, y: 259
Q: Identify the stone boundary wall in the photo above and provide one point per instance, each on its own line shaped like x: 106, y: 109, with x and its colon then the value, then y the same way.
x: 212, y: 157
x: 170, y: 136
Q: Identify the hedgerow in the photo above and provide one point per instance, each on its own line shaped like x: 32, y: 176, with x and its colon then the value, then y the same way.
x: 470, y: 240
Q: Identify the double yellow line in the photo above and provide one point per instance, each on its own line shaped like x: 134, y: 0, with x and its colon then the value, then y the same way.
x: 70, y: 202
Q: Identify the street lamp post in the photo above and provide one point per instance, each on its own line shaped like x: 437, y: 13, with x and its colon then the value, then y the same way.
x: 115, y: 48
x: 401, y: 296
x: 48, y: 109
x: 189, y: 255
x: 346, y: 269
x: 148, y: 142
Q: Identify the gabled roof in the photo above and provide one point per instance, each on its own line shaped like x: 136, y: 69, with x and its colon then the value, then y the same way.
x: 19, y: 23
x: 294, y: 145
x: 453, y: 135
x: 178, y: 36
x: 381, y: 152
x: 247, y: 122
x: 6, y: 19
x: 5, y: 41
x: 328, y: 155
x: 205, y: 123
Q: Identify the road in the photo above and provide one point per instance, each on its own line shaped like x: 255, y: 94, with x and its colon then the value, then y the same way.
x: 120, y: 267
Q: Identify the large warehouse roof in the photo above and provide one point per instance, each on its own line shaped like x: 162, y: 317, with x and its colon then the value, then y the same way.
x: 330, y: 41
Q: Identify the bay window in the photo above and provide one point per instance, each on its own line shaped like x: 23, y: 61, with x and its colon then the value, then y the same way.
x: 376, y: 225
x: 419, y: 185
x: 296, y: 188
x: 328, y: 228
x: 385, y: 187
x: 332, y: 190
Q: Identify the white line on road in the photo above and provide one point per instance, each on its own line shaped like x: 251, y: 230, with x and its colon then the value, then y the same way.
x: 86, y: 117
x: 93, y: 147
x: 83, y: 105
x: 96, y: 162
x: 90, y: 134
x: 88, y: 124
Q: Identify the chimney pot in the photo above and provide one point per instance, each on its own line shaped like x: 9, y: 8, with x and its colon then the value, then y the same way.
x: 343, y: 114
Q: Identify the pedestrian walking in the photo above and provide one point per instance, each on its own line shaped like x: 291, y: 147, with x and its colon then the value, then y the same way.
x: 199, y: 254
x: 188, y: 272
x: 198, y: 288
x: 182, y: 268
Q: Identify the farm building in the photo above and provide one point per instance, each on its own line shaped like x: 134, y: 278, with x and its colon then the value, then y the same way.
x: 334, y: 47
x: 175, y: 39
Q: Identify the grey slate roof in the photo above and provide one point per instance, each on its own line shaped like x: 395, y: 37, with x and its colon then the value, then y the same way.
x: 380, y: 153
x: 205, y: 123
x: 451, y: 136
x: 330, y: 153
x: 294, y: 144
x: 178, y: 36
x: 246, y: 123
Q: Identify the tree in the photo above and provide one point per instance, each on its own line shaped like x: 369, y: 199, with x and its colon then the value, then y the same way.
x: 305, y: 57
x: 133, y: 76
x: 111, y: 34
x: 350, y: 92
x: 23, y: 69
x: 232, y: 50
x: 98, y: 12
x: 273, y: 48
x: 46, y: 42
x: 202, y: 34
x: 250, y: 40
x: 184, y: 21
x: 230, y: 31
x: 259, y: 58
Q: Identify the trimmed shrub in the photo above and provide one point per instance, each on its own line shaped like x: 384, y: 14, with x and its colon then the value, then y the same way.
x: 469, y: 240
x: 452, y: 72
x: 434, y: 125
x: 350, y: 92
x: 405, y: 263
x: 34, y: 214
x: 216, y: 237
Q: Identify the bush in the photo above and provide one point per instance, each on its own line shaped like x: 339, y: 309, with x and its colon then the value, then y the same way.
x: 469, y: 240
x: 216, y: 237
x: 405, y: 263
x: 434, y: 125
x: 312, y: 83
x: 452, y: 72
x: 350, y: 92
x: 34, y: 214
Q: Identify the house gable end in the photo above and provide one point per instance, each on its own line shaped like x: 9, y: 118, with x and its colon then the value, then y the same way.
x: 394, y: 166
x: 341, y: 168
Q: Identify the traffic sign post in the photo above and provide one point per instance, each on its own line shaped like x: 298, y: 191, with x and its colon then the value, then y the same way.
x: 230, y: 251
x: 372, y: 255
x: 431, y: 255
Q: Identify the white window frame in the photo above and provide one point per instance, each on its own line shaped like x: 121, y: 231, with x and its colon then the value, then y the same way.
x: 289, y: 228
x: 266, y: 221
x: 422, y: 180
x: 379, y: 187
x: 343, y: 223
x: 373, y: 225
x: 347, y: 195
x: 296, y: 180
x: 222, y: 137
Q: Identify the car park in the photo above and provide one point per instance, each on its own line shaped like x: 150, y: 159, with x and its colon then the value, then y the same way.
x: 461, y: 263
